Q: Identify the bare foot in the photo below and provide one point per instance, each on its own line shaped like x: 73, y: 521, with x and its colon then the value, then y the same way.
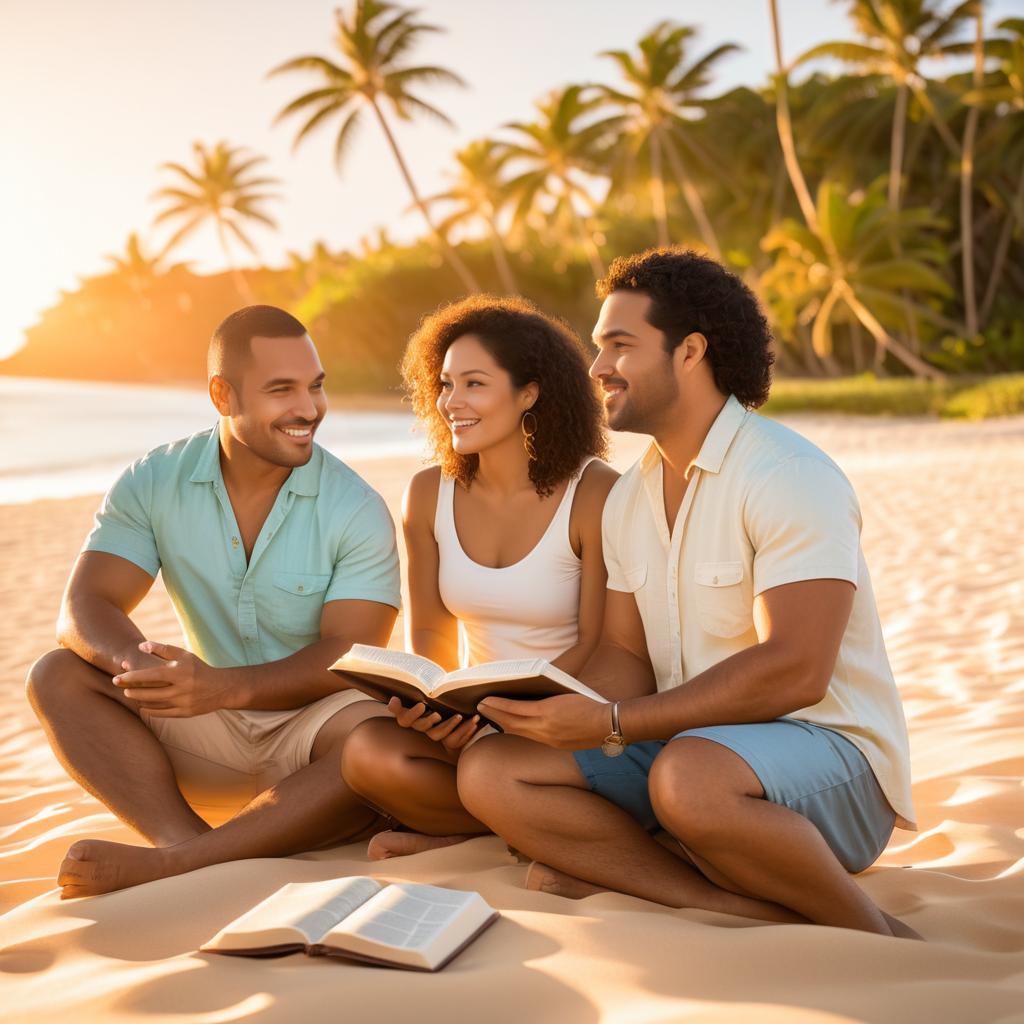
x: 899, y: 929
x: 541, y: 878
x: 94, y: 866
x: 402, y: 844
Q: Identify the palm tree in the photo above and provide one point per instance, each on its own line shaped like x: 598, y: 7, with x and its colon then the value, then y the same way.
x: 222, y: 190
x: 899, y: 35
x: 558, y: 150
x: 373, y: 37
x: 658, y: 102
x: 479, y: 193
x: 140, y: 269
x: 1005, y: 141
x: 853, y: 268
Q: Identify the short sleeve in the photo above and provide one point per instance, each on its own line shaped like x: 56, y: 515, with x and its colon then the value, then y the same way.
x: 123, y: 524
x: 804, y: 523
x: 611, y: 519
x: 366, y: 566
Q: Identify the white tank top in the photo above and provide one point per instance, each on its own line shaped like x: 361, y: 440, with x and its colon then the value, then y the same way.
x: 526, y: 610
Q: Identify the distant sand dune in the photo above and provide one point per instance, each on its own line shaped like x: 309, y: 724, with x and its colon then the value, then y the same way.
x: 943, y: 508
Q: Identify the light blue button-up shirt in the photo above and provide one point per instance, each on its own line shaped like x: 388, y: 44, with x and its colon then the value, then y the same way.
x: 329, y: 537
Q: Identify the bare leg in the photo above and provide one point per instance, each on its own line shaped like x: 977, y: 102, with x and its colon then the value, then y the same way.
x: 537, y: 800
x: 711, y: 800
x: 411, y: 778
x: 107, y: 749
x: 307, y: 810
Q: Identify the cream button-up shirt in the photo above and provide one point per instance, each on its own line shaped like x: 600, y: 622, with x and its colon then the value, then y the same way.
x: 764, y: 507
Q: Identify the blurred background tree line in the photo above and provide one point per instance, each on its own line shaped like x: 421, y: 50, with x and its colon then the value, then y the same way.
x: 875, y: 207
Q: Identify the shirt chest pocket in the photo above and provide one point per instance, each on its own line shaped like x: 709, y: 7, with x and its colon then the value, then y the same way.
x: 296, y: 602
x: 724, y: 599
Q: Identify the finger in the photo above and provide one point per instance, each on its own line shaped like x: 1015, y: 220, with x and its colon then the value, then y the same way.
x: 165, y: 651
x: 444, y: 728
x: 465, y: 732
x: 410, y: 715
x: 158, y: 676
x: 509, y: 707
x: 427, y: 722
x: 147, y: 694
x: 152, y: 707
x: 500, y: 718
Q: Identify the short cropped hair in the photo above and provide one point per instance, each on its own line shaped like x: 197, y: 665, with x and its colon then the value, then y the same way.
x: 691, y: 294
x: 230, y: 344
x: 529, y: 346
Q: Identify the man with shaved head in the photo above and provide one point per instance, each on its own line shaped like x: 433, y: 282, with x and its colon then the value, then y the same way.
x: 277, y: 558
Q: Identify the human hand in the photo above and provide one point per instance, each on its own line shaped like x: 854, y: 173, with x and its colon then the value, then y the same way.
x: 453, y: 733
x: 569, y: 721
x: 176, y: 685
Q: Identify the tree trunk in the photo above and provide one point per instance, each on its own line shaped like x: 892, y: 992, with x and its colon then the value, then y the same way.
x: 785, y: 127
x: 589, y: 245
x: 884, y: 339
x: 897, y: 144
x: 857, y: 347
x: 1002, y: 250
x: 967, y: 184
x: 657, y: 186
x: 460, y: 268
x: 242, y: 286
x: 505, y: 275
x: 693, y: 201
x: 933, y: 115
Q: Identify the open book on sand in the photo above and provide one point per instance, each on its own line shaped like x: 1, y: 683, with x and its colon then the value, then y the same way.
x: 384, y: 674
x: 417, y: 927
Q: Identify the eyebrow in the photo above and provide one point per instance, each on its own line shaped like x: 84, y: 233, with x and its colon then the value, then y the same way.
x: 278, y: 381
x: 466, y: 373
x: 614, y: 332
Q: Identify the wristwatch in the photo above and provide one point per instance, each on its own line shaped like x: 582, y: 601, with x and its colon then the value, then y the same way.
x: 614, y: 743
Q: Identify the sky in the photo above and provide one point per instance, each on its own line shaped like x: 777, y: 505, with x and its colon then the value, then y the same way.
x: 98, y: 94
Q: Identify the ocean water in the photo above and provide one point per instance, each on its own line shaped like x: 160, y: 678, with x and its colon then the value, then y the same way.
x: 59, y: 438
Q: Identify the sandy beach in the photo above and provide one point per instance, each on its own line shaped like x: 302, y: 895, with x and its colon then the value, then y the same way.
x: 943, y: 505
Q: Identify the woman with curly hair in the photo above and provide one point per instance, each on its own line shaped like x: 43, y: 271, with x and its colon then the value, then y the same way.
x: 503, y: 536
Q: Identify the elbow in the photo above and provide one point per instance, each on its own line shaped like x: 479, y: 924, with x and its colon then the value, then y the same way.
x: 803, y: 680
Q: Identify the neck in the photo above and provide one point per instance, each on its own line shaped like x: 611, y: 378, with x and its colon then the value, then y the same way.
x: 243, y: 470
x: 680, y: 442
x: 504, y: 469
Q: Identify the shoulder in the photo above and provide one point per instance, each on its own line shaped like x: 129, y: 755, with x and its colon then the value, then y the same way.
x: 420, y: 499
x: 167, y: 463
x: 595, y: 484
x: 770, y: 451
x: 626, y: 487
x: 340, y: 482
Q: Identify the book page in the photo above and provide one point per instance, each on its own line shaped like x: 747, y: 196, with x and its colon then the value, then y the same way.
x: 299, y: 912
x: 385, y: 662
x: 509, y: 672
x: 405, y: 916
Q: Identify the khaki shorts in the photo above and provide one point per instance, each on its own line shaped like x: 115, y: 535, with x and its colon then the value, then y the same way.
x: 224, y: 759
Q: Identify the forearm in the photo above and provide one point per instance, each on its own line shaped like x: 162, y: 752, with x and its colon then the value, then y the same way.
x: 617, y: 673
x: 291, y: 682
x: 101, y: 634
x: 759, y: 684
x: 440, y: 648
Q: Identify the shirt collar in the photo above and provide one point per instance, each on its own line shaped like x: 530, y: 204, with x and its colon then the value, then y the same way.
x: 717, y: 442
x: 302, y: 479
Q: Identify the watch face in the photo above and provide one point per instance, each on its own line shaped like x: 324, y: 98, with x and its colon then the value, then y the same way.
x: 613, y: 746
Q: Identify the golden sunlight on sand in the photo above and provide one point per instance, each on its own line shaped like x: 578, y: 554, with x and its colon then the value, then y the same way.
x: 943, y: 507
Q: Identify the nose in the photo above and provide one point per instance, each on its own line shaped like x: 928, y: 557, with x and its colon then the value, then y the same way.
x: 599, y: 367
x: 306, y: 406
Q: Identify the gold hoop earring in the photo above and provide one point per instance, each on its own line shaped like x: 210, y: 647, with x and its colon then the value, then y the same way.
x: 528, y: 435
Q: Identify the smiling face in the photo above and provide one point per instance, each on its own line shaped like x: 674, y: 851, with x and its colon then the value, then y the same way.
x: 478, y: 399
x: 276, y: 400
x: 636, y: 374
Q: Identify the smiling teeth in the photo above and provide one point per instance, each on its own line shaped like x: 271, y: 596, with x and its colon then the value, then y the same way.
x: 464, y: 423
x: 295, y: 432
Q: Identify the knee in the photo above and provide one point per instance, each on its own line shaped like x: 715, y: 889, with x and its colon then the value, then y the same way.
x: 369, y: 757
x: 49, y: 677
x: 485, y: 773
x: 685, y: 797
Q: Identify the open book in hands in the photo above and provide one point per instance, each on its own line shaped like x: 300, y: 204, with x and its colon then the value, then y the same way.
x: 417, y: 927
x: 412, y: 679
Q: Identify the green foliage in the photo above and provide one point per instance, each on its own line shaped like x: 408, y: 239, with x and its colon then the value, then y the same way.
x: 999, y: 396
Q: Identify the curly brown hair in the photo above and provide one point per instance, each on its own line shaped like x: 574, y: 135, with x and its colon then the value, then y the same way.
x: 691, y: 294
x: 529, y: 346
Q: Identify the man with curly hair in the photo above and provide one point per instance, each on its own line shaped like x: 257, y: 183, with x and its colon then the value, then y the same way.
x: 754, y: 717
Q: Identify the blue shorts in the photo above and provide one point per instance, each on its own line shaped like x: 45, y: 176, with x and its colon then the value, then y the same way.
x: 809, y: 769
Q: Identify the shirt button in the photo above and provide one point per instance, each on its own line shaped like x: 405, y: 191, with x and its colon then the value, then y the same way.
x: 715, y: 580
x: 300, y: 588
x: 235, y: 542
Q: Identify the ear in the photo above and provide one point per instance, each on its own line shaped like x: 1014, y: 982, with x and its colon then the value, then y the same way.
x: 690, y: 353
x: 220, y: 394
x: 529, y: 395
